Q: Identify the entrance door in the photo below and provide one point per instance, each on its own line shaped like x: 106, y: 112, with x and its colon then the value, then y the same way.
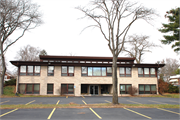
x: 94, y: 89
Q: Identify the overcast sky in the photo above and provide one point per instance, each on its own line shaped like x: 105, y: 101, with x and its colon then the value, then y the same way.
x: 60, y: 32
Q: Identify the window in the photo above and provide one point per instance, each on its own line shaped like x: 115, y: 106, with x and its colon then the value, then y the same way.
x: 5, y: 77
x: 124, y: 88
x: 50, y: 88
x: 147, y: 72
x: 83, y: 71
x: 153, y: 72
x: 50, y: 70
x: 29, y: 88
x: 67, y: 88
x: 37, y: 71
x: 109, y: 71
x: 125, y: 72
x: 23, y: 70
x: 30, y: 70
x: 147, y: 89
x: 89, y: 71
x: 96, y: 71
x: 67, y: 71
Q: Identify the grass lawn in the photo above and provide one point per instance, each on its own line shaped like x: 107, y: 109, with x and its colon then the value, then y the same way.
x: 101, y: 105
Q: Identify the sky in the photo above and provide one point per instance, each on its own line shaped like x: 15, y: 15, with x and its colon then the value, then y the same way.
x: 60, y: 33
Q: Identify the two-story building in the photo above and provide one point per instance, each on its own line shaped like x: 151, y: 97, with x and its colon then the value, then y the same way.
x: 84, y: 75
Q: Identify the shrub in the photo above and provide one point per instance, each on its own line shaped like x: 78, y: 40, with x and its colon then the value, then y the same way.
x: 10, y: 82
x: 173, y: 89
x: 162, y: 86
x: 132, y: 90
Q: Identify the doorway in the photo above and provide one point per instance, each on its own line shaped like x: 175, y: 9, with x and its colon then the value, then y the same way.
x: 94, y: 89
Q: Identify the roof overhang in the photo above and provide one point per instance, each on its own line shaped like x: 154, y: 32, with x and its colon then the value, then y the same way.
x: 40, y: 63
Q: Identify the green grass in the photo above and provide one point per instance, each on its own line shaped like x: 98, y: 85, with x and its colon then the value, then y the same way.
x: 166, y: 95
x: 9, y: 90
x: 102, y: 105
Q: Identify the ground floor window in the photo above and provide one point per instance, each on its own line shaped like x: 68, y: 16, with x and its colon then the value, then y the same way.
x: 29, y: 88
x: 84, y: 89
x: 50, y: 88
x: 147, y: 89
x: 105, y: 89
x: 67, y: 88
x: 124, y: 88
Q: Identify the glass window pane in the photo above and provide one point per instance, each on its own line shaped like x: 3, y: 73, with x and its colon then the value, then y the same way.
x: 147, y: 87
x: 50, y: 69
x: 128, y: 70
x: 23, y: 69
x: 153, y: 87
x: 127, y: 87
x: 71, y: 70
x: 36, y: 87
x: 141, y: 87
x: 146, y: 70
x: 122, y: 87
x: 152, y: 70
x: 29, y: 87
x: 64, y: 69
x: 84, y: 69
x: 89, y: 71
x: 70, y: 87
x: 22, y: 88
x: 140, y: 70
x: 49, y: 87
x: 109, y: 69
x: 96, y: 71
x: 103, y: 71
x: 121, y: 69
x: 30, y: 69
x: 37, y: 69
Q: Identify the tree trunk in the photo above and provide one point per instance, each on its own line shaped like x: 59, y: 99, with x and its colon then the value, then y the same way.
x: 3, y: 73
x: 114, y: 80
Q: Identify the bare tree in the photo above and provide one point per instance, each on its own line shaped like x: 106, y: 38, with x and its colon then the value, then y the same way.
x: 169, y: 69
x: 16, y: 17
x: 28, y: 53
x: 138, y: 45
x: 114, y: 18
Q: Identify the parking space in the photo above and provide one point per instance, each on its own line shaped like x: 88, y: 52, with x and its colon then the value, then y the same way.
x: 72, y: 113
x: 27, y: 114
x: 155, y: 113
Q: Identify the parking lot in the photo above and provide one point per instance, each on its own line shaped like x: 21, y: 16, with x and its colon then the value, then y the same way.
x: 90, y: 113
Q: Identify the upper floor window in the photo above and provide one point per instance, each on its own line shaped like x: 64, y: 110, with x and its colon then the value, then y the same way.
x: 146, y: 72
x: 50, y: 70
x: 67, y: 71
x: 96, y: 71
x: 23, y: 70
x: 125, y: 72
x: 30, y: 70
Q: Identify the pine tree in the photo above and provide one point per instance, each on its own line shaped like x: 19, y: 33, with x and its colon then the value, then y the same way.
x: 173, y: 28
